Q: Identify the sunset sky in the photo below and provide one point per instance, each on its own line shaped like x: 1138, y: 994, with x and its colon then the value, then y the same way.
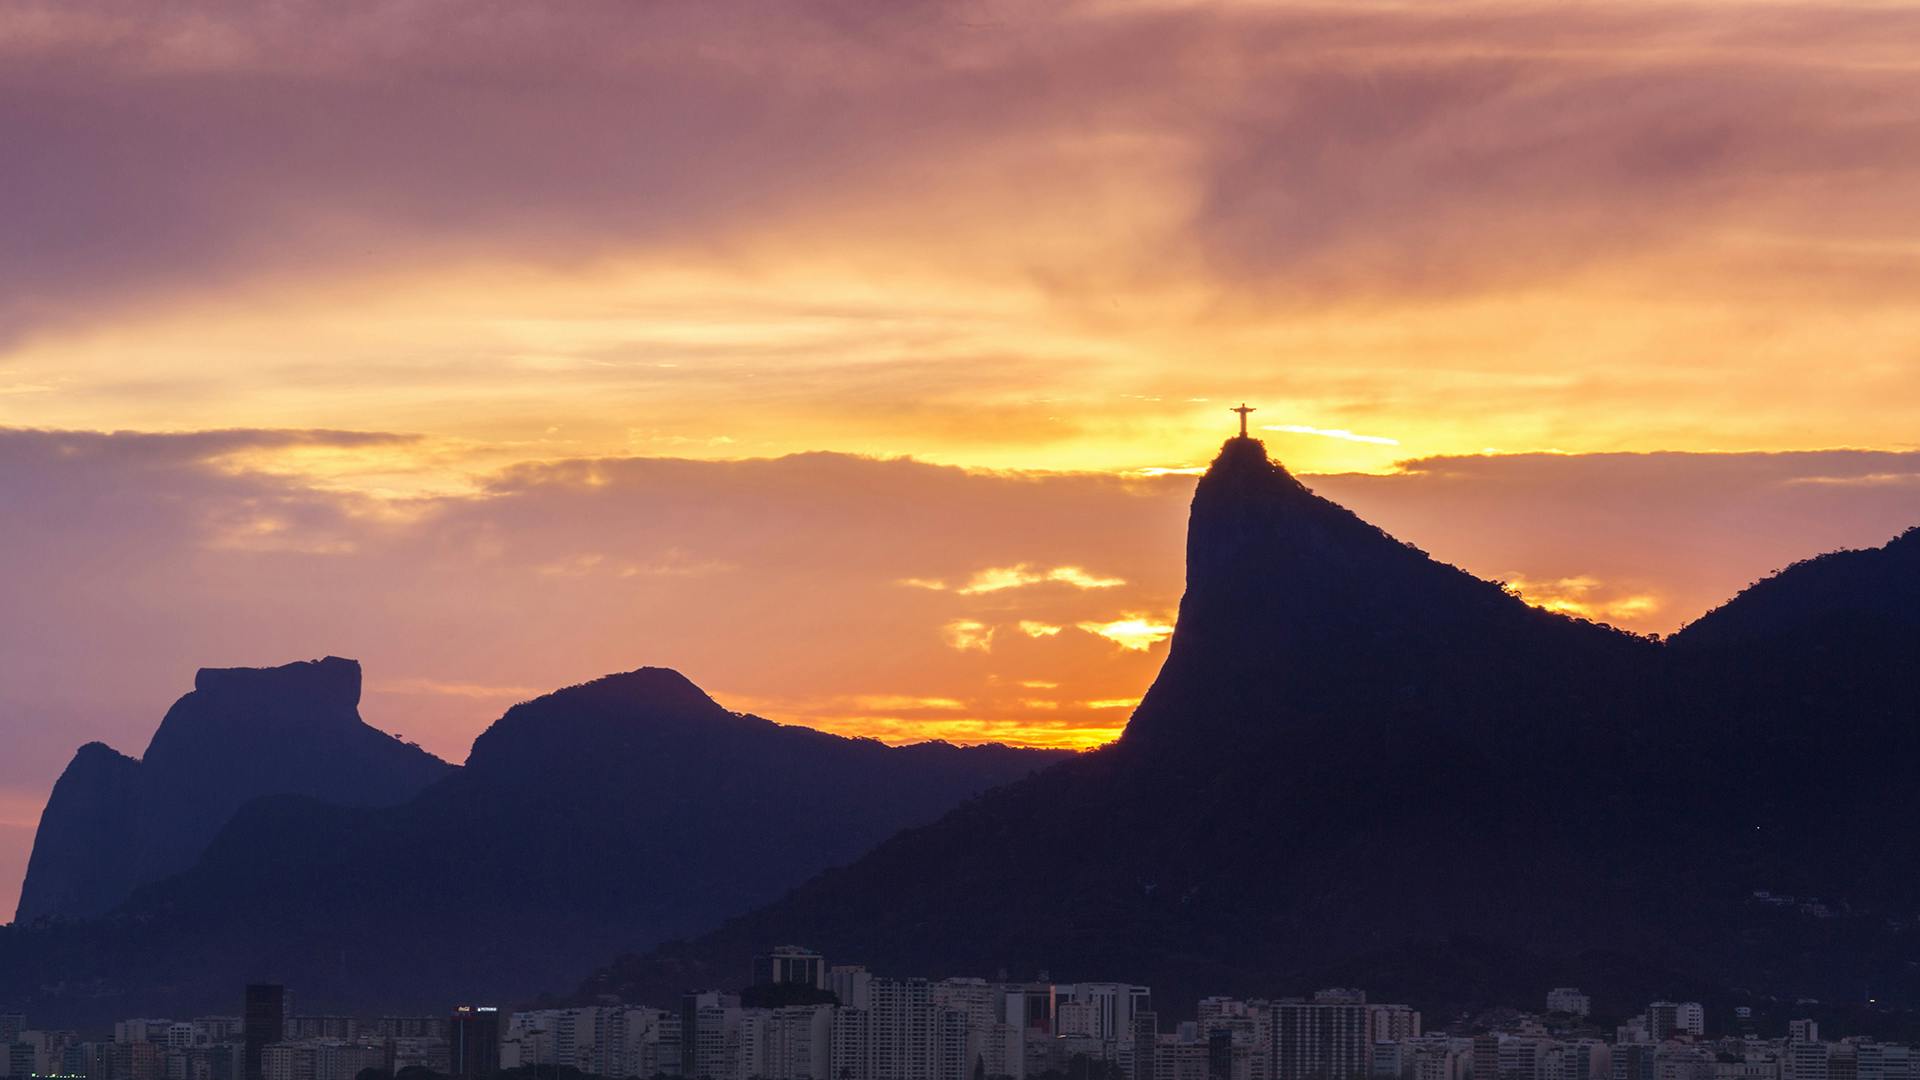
x: 853, y: 356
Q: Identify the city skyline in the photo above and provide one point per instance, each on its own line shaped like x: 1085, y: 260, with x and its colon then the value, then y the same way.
x: 801, y: 1017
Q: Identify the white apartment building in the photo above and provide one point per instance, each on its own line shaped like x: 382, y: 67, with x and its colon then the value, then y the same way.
x: 1391, y: 1023
x: 1569, y: 1000
x: 1806, y: 1060
x: 1109, y: 1008
x: 1319, y: 1041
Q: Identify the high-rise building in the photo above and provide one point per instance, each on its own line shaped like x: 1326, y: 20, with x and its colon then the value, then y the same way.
x: 1320, y: 1041
x: 1521, y: 1059
x: 1109, y: 1009
x: 851, y: 984
x: 1486, y: 1056
x: 1028, y: 1006
x: 752, y: 1039
x: 852, y: 1038
x: 1807, y: 1060
x: 1583, y: 1059
x: 265, y: 1018
x: 180, y: 1036
x: 141, y: 1030
x: 1692, y: 1018
x: 1443, y: 1058
x: 1635, y: 1061
x: 473, y: 1042
x: 790, y: 964
x: 995, y: 1047
x: 799, y: 1043
x: 1180, y: 1056
x: 346, y: 1059
x: 652, y: 1043
x: 1220, y: 1054
x: 599, y: 1040
x: 1392, y: 1059
x: 19, y: 1057
x: 1663, y: 1019
x: 710, y: 1035
x: 950, y: 1045
x: 411, y: 1027
x: 342, y: 1028
x: 217, y: 1061
x: 1666, y: 1019
x: 1883, y: 1061
x: 287, y: 1061
x: 1214, y: 1013
x: 218, y: 1029
x: 125, y: 1061
x: 321, y: 1059
x: 1073, y: 1019
x: 1843, y: 1060
x: 1569, y: 1000
x: 1391, y: 1023
x: 906, y: 1032
x: 1146, y: 1043
x: 426, y: 1052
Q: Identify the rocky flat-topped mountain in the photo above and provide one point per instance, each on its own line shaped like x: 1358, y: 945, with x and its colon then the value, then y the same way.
x: 114, y: 823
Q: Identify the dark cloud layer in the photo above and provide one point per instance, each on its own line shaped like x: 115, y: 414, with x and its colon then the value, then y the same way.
x: 1317, y: 150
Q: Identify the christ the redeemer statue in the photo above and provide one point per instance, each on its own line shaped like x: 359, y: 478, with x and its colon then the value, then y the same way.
x: 1243, y: 410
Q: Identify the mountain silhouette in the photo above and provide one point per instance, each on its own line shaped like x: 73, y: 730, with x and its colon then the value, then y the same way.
x: 612, y: 814
x: 114, y: 823
x: 1855, y: 596
x: 1358, y: 763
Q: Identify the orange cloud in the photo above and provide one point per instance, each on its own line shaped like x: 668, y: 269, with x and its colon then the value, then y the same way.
x: 968, y: 634
x: 1331, y: 433
x: 1001, y: 578
x: 1136, y: 632
x: 995, y: 579
x: 1013, y: 732
x: 900, y: 702
x: 476, y: 691
x: 1586, y: 598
